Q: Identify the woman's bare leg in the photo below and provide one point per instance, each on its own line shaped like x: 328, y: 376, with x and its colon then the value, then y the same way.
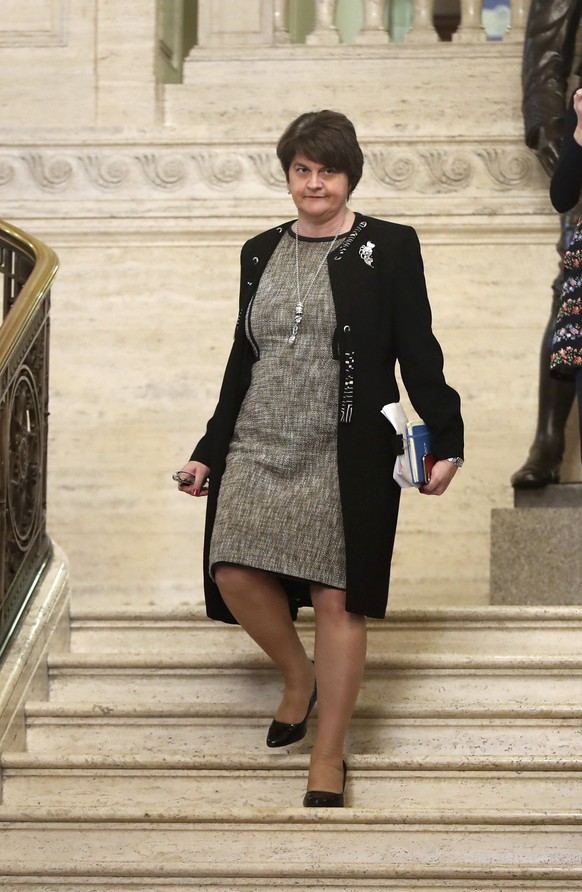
x: 340, y: 656
x: 258, y: 602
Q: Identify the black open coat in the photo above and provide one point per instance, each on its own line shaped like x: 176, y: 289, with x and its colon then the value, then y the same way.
x: 383, y: 316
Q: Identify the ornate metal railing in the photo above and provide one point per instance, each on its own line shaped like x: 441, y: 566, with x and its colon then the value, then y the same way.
x: 28, y: 268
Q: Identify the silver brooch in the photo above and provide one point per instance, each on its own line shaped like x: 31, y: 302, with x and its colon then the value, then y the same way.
x: 366, y: 253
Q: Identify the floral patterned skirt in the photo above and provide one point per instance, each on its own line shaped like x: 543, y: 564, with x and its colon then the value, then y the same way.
x: 566, y: 357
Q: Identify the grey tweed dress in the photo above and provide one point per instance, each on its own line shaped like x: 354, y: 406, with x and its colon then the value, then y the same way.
x: 279, y: 505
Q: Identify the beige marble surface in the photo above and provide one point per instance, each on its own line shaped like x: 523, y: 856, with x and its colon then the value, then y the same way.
x: 262, y: 783
x: 147, y: 192
x: 136, y: 364
x: 263, y: 842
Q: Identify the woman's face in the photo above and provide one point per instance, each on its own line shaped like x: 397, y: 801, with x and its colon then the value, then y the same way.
x: 320, y: 193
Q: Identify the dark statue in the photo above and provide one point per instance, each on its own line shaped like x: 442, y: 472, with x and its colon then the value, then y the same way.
x: 548, y: 63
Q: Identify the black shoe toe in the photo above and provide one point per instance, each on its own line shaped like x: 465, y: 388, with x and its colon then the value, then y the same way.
x: 285, y: 733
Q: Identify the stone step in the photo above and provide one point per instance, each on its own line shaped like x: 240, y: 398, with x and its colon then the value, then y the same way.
x: 194, y: 730
x: 271, y: 781
x: 276, y: 884
x: 511, y: 631
x: 293, y: 843
x: 501, y: 686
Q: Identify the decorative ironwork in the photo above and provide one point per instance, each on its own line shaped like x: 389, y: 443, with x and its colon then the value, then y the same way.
x: 24, y: 458
x: 15, y: 268
x: 28, y: 268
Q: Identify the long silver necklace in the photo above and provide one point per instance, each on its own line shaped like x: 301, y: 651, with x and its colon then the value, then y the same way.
x: 301, y: 301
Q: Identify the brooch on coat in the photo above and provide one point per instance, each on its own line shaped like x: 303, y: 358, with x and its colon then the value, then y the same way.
x: 366, y: 253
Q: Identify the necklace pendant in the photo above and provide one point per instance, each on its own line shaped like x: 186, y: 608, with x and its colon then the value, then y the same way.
x: 299, y: 305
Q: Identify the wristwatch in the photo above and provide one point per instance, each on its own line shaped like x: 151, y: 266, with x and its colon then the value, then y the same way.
x: 456, y: 461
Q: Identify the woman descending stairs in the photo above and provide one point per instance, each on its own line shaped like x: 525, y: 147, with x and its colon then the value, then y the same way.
x: 146, y: 767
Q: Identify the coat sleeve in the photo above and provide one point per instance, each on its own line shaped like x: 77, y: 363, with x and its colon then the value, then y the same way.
x: 567, y: 177
x: 419, y: 353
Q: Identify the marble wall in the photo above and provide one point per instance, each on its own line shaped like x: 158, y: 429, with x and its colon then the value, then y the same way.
x: 147, y: 190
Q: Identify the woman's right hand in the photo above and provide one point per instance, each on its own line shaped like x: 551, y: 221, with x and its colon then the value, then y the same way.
x: 199, y: 474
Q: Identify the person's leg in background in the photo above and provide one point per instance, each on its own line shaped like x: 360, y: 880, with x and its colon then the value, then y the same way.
x: 555, y: 397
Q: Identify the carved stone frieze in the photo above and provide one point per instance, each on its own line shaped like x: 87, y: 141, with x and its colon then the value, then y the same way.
x: 6, y: 172
x: 220, y: 169
x: 132, y: 171
x: 50, y: 172
x: 169, y: 172
x: 449, y: 170
x: 108, y: 172
x: 509, y: 168
x: 396, y: 169
x: 267, y: 166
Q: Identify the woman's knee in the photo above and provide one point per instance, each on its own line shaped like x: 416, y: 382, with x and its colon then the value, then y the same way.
x: 232, y: 579
x: 231, y: 576
x: 331, y: 604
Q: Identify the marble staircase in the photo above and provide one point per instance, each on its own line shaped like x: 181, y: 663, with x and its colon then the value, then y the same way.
x: 146, y: 769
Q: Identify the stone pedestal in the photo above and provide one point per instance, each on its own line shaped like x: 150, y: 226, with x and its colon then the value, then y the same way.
x: 536, y: 547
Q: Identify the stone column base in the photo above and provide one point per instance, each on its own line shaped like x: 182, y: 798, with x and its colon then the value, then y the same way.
x: 536, y: 547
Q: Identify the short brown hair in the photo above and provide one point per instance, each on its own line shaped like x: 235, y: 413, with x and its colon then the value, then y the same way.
x: 327, y: 137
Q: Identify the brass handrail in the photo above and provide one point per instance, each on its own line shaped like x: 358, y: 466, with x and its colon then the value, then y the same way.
x: 32, y: 293
x: 28, y: 267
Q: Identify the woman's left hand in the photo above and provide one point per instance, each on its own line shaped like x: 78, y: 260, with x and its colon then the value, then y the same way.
x: 441, y: 475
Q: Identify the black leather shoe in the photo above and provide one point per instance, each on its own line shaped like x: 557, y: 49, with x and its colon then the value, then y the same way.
x: 284, y: 733
x: 541, y: 467
x: 321, y: 799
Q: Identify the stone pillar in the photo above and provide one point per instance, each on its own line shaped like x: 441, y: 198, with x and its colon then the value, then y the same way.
x: 282, y: 35
x: 519, y: 13
x: 423, y: 30
x: 471, y: 30
x: 325, y: 32
x: 373, y: 31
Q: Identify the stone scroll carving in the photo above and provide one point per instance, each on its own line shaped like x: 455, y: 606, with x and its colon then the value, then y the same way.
x: 268, y: 169
x: 508, y: 168
x: 219, y: 170
x: 130, y: 173
x: 6, y: 172
x: 395, y: 169
x: 448, y: 170
x: 106, y: 172
x: 50, y: 173
x: 164, y: 173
